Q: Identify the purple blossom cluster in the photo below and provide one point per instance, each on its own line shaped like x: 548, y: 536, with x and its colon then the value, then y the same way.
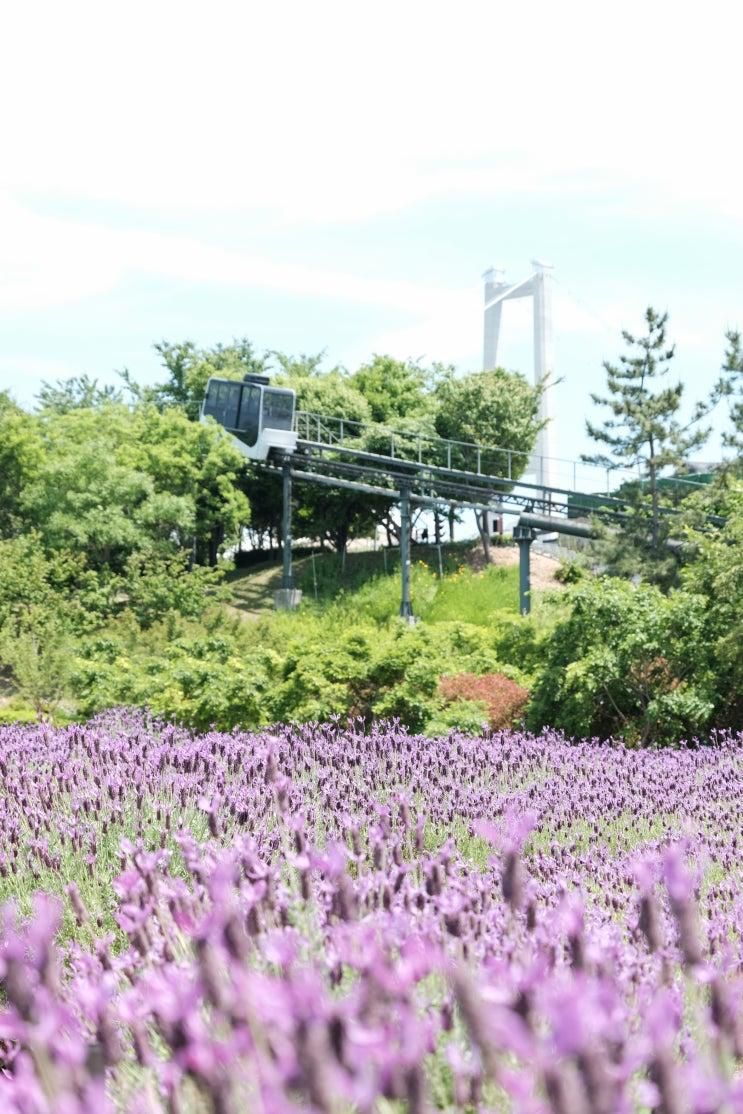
x: 327, y: 920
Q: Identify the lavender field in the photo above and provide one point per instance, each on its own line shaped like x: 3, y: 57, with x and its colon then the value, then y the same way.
x: 326, y: 920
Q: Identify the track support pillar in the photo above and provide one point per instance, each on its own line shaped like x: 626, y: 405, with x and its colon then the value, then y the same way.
x: 288, y: 597
x: 406, y: 608
x: 524, y: 536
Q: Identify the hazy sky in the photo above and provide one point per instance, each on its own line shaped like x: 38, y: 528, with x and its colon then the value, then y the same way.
x: 338, y: 175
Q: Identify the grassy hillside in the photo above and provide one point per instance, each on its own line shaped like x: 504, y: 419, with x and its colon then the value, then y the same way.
x: 345, y: 652
x: 454, y: 588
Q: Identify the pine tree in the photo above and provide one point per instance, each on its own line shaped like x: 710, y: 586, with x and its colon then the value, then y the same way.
x: 644, y: 432
x: 730, y: 387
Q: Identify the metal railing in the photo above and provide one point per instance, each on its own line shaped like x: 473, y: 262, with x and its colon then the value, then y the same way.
x: 464, y: 456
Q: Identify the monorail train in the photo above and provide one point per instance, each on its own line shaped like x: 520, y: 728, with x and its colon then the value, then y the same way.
x: 259, y: 417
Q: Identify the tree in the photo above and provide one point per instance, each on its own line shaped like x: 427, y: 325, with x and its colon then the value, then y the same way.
x: 333, y: 515
x: 715, y: 574
x: 39, y: 655
x: 197, y: 466
x: 33, y: 581
x: 627, y: 661
x: 44, y: 601
x: 400, y: 399
x: 20, y: 458
x: 113, y: 482
x: 394, y: 389
x: 303, y: 366
x: 497, y: 409
x: 85, y: 498
x: 645, y: 432
x: 731, y: 388
x: 77, y: 393
x: 189, y: 369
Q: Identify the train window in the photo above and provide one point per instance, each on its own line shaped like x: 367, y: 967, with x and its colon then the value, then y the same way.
x: 250, y: 409
x: 278, y: 409
x: 222, y: 403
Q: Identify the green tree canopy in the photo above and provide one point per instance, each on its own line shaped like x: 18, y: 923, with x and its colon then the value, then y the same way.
x: 731, y: 389
x: 394, y: 389
x: 716, y: 573
x: 113, y: 481
x: 80, y: 392
x: 330, y: 514
x: 627, y: 661
x: 21, y: 454
x: 303, y: 366
x: 190, y: 367
x: 490, y: 408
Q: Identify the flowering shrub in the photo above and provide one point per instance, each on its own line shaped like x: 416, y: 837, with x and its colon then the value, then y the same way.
x: 504, y: 700
x: 320, y: 920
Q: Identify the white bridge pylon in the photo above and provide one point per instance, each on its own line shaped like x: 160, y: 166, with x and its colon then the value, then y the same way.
x: 538, y: 287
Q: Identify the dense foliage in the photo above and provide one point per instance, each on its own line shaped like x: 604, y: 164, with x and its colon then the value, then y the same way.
x: 716, y: 574
x: 117, y: 505
x: 349, y: 659
x: 648, y: 680
x: 327, y: 920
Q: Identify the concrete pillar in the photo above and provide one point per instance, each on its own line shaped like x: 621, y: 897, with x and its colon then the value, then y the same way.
x: 524, y: 536
x: 288, y: 597
x: 406, y: 608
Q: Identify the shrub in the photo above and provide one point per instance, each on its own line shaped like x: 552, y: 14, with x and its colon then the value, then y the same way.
x: 504, y: 700
x: 629, y: 662
x: 570, y: 572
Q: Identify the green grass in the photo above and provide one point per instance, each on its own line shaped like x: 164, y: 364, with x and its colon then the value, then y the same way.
x: 369, y: 584
x: 473, y: 597
x: 326, y: 575
x: 621, y: 834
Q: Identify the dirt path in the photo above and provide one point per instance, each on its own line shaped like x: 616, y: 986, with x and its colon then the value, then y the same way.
x: 543, y: 568
x: 252, y: 589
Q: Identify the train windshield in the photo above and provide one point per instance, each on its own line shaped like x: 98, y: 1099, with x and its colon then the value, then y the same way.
x: 278, y: 409
x: 222, y: 402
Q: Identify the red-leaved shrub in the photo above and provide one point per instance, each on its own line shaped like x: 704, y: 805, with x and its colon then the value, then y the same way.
x: 503, y: 698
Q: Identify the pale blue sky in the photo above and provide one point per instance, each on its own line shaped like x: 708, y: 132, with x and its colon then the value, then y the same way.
x: 338, y: 176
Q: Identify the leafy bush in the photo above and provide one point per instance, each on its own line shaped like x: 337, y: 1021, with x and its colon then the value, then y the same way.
x: 504, y: 700
x: 627, y: 661
x: 285, y: 668
x: 17, y: 711
x: 38, y: 653
x: 155, y: 583
x: 717, y: 574
x: 570, y: 572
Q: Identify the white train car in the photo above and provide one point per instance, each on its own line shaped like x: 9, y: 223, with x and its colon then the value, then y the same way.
x: 259, y: 417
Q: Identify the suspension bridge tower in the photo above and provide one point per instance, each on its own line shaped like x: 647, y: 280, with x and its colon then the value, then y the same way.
x: 538, y: 287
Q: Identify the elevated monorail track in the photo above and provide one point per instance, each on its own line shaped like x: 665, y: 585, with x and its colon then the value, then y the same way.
x: 410, y: 467
x: 442, y: 488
